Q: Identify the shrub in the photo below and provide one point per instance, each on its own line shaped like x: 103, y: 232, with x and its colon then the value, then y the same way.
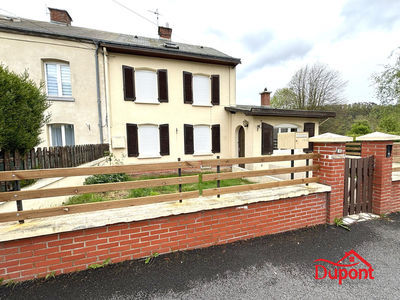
x: 107, y: 178
x: 85, y: 198
x: 22, y: 111
x: 360, y: 128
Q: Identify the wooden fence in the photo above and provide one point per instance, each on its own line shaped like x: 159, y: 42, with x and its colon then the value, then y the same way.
x: 353, y: 148
x: 48, y: 158
x: 75, y: 190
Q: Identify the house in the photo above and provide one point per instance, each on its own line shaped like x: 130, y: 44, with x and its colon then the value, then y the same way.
x: 66, y: 65
x: 153, y: 100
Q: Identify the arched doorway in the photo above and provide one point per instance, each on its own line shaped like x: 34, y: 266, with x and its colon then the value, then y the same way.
x: 241, y: 144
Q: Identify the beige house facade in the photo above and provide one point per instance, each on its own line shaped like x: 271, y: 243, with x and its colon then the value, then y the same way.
x: 152, y: 100
x: 73, y: 113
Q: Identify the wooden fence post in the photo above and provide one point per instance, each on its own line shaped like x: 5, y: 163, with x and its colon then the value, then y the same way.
x: 292, y: 164
x: 180, y: 174
x: 218, y: 181
x: 16, y: 183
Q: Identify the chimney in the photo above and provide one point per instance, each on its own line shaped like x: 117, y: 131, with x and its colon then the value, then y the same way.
x: 164, y: 32
x: 265, y: 97
x: 60, y: 16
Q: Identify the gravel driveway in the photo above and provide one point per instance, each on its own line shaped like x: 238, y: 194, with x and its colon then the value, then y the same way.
x: 272, y: 267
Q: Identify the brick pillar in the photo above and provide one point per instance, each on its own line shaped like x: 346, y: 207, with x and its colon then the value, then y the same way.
x: 382, y: 183
x: 331, y: 172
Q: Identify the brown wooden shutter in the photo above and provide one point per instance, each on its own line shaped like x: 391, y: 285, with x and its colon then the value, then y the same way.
x: 310, y: 128
x: 188, y: 135
x: 164, y: 139
x: 128, y: 74
x: 216, y: 136
x: 215, y: 89
x: 132, y: 138
x: 266, y: 139
x: 162, y: 85
x: 187, y: 88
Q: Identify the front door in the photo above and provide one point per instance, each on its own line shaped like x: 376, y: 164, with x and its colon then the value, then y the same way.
x: 241, y: 146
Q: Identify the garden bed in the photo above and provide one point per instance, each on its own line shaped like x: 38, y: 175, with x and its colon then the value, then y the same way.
x: 143, y: 192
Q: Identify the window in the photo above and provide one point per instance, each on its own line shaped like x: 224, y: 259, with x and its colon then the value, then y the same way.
x: 202, y: 139
x: 145, y: 86
x: 58, y: 80
x: 200, y: 90
x: 147, y: 140
x: 280, y: 129
x: 61, y: 135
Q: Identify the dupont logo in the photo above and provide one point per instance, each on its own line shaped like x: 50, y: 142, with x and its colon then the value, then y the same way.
x: 351, y: 266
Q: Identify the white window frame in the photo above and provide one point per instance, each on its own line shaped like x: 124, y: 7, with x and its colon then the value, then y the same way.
x: 63, y: 139
x: 156, y: 144
x: 137, y: 87
x: 59, y: 82
x: 208, y: 151
x: 197, y: 103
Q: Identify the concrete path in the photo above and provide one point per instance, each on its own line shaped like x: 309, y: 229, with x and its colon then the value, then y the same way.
x: 272, y: 267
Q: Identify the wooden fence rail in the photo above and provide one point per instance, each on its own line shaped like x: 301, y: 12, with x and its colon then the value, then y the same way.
x: 353, y: 148
x: 74, y: 190
x: 66, y: 172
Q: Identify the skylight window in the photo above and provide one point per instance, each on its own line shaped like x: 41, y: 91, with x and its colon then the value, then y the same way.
x: 171, y: 45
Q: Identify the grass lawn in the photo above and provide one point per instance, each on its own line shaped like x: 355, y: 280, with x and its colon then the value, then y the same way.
x: 142, y: 192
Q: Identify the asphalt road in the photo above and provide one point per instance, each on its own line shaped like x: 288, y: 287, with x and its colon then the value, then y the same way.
x: 272, y: 267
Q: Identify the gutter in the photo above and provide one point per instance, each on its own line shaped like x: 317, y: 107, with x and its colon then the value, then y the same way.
x: 96, y: 57
x: 276, y: 112
x: 157, y: 52
x: 107, y: 96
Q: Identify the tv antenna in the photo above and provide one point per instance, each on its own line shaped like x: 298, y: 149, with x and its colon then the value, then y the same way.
x: 155, y: 12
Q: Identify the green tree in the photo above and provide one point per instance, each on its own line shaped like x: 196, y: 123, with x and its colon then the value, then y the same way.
x: 22, y: 111
x: 284, y: 98
x: 389, y: 124
x: 387, y: 82
x: 360, y: 128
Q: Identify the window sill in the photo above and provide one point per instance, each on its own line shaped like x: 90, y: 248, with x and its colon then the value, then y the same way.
x: 201, y: 105
x: 203, y: 154
x: 144, y: 102
x: 62, y: 99
x: 146, y: 157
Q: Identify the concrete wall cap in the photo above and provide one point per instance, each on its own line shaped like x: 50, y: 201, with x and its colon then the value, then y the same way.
x: 378, y: 136
x: 330, y: 138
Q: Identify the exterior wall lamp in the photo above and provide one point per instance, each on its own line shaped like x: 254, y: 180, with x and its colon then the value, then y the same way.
x: 245, y: 123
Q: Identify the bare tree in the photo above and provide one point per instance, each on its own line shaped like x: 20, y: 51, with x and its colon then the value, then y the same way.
x: 315, y: 86
x: 388, y: 81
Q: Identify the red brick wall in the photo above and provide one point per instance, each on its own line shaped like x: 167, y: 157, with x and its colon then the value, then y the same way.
x: 70, y: 251
x: 395, y: 199
x: 382, y: 201
x: 331, y: 172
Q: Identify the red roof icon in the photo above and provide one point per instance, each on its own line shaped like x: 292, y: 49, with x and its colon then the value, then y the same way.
x: 351, y: 258
x: 351, y: 255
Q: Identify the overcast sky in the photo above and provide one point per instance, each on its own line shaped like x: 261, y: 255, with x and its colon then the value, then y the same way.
x: 273, y: 38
